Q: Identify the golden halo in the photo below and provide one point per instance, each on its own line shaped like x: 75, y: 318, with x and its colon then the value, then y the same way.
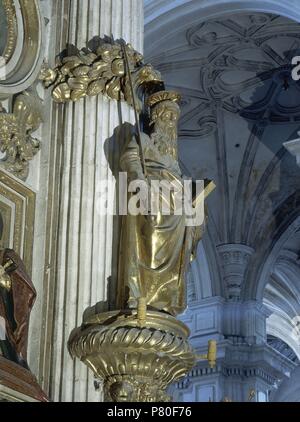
x: 160, y: 96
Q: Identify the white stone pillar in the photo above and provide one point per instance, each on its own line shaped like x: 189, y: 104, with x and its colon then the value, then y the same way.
x: 84, y: 240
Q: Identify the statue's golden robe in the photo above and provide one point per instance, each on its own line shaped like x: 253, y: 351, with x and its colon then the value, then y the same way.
x: 154, y: 249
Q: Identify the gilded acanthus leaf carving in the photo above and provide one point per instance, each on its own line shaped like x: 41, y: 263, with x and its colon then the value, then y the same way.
x: 100, y: 72
x: 16, y: 129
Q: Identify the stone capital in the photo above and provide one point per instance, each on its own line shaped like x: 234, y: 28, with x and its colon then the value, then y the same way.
x: 234, y: 258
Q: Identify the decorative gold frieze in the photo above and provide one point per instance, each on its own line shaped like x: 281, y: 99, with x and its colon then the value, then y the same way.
x: 16, y: 130
x: 136, y: 362
x: 101, y: 72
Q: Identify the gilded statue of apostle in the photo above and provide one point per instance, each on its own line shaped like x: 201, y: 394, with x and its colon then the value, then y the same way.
x: 155, y: 248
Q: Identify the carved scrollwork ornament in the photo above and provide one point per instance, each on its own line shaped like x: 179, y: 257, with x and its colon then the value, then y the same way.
x: 16, y: 128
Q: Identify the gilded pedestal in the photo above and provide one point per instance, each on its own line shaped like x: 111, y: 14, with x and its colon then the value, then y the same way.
x: 136, y: 361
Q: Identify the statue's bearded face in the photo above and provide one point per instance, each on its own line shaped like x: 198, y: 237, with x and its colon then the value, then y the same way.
x: 165, y: 118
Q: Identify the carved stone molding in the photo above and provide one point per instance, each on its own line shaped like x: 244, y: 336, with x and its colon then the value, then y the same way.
x: 16, y: 130
x: 137, y: 362
x: 17, y: 208
x: 283, y: 348
x: 18, y: 384
x: 234, y: 260
x: 261, y: 366
x: 11, y: 19
x: 23, y: 50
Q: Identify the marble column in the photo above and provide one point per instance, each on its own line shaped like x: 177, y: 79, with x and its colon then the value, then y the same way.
x: 78, y: 253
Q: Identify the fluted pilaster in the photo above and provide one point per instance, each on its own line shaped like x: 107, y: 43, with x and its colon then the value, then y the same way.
x: 83, y: 246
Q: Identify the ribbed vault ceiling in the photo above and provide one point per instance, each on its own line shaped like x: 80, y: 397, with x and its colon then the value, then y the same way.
x: 239, y: 106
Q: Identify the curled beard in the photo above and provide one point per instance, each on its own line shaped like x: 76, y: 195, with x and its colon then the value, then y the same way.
x: 165, y: 140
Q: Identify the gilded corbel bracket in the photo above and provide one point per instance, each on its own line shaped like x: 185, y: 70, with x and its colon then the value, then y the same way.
x: 16, y: 128
x: 89, y: 73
